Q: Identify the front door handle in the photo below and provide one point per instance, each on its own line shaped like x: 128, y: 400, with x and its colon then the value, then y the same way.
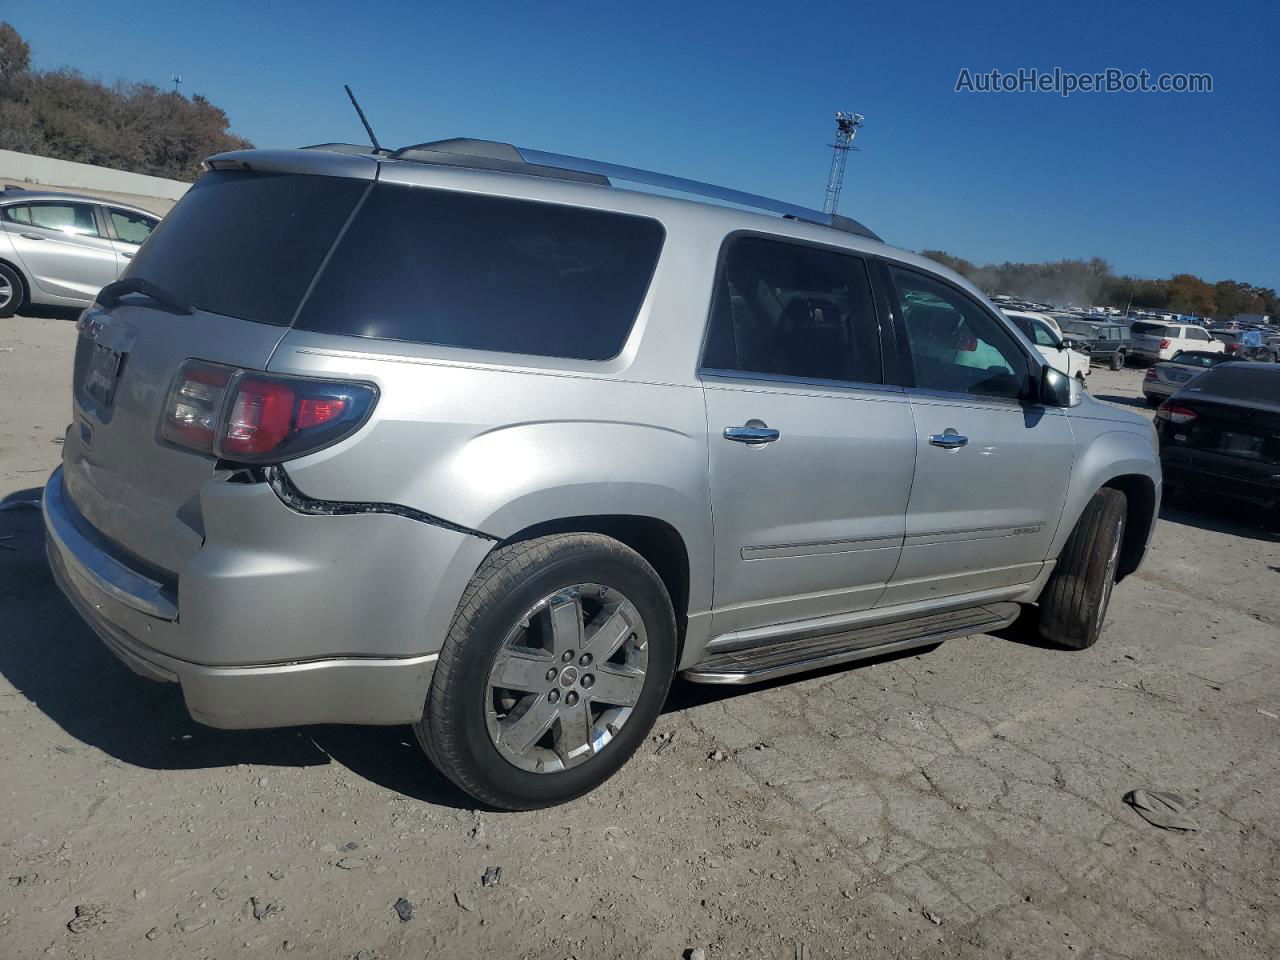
x: 127, y: 256
x: 948, y: 440
x: 32, y: 236
x: 754, y: 432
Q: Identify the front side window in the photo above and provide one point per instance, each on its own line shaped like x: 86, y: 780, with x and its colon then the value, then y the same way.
x: 131, y: 227
x: 73, y: 218
x: 790, y: 310
x: 955, y: 345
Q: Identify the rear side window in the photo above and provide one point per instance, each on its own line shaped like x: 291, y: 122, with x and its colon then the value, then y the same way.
x: 74, y: 218
x: 788, y: 310
x: 486, y: 273
x: 247, y: 245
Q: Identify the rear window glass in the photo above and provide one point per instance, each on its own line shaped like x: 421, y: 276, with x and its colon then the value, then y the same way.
x: 247, y: 245
x: 486, y: 273
x: 1155, y: 329
x: 1242, y: 381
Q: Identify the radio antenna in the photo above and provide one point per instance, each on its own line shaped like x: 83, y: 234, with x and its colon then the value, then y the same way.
x: 377, y: 147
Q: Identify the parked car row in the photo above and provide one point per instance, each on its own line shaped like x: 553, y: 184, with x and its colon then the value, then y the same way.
x: 59, y: 249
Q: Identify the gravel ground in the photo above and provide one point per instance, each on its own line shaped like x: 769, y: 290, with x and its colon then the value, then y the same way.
x: 965, y: 802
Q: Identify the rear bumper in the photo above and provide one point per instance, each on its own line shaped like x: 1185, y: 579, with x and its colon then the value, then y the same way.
x: 361, y: 654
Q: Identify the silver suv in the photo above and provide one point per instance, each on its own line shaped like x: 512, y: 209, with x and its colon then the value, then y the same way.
x: 464, y: 436
x: 59, y: 249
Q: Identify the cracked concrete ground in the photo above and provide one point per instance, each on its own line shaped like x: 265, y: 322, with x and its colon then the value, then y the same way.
x: 963, y: 802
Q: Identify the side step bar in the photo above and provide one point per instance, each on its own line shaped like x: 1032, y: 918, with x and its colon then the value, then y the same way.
x: 797, y: 655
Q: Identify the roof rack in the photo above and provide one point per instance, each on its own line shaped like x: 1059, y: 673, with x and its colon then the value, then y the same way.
x: 507, y: 158
x: 697, y: 188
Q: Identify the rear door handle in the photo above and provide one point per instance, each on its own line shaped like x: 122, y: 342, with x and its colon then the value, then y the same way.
x: 32, y: 236
x: 127, y: 256
x: 753, y: 432
x: 950, y: 440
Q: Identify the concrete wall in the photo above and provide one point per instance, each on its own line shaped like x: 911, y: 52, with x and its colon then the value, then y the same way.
x: 18, y: 167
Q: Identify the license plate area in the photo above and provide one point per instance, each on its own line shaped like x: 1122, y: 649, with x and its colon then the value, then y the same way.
x: 103, y: 375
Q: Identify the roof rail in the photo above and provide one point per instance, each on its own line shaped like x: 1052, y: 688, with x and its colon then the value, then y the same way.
x: 697, y: 188
x: 506, y: 158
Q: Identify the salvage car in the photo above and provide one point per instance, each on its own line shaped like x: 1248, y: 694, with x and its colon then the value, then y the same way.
x: 1066, y: 355
x: 59, y: 249
x: 1167, y: 377
x: 1221, y: 434
x: 1154, y: 341
x: 466, y: 437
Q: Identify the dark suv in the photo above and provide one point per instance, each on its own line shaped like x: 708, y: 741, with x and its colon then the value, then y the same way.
x: 1108, y: 342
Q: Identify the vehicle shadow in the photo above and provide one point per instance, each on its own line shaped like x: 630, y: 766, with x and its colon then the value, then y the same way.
x: 38, y: 312
x: 1122, y: 401
x: 1221, y: 515
x: 54, y: 660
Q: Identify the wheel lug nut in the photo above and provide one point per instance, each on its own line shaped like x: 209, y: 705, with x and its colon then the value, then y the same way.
x: 553, y: 696
x: 571, y: 698
x: 568, y: 655
x: 587, y: 680
x: 585, y: 660
x: 552, y: 674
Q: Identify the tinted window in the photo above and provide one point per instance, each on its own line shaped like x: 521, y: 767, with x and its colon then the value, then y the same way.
x: 247, y: 244
x: 1197, y: 334
x: 487, y: 273
x: 1150, y: 329
x: 74, y: 218
x: 789, y: 310
x: 1193, y: 358
x: 131, y: 227
x: 956, y: 346
x: 1242, y: 381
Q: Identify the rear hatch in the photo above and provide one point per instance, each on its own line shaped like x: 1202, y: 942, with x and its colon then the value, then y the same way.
x: 240, y: 250
x: 1147, y: 336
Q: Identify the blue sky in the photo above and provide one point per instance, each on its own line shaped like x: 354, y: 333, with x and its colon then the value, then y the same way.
x: 743, y: 94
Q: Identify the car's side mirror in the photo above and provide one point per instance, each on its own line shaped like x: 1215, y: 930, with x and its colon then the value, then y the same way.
x: 1059, y: 390
x: 1067, y: 344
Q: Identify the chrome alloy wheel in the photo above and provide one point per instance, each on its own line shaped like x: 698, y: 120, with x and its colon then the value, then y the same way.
x: 1109, y: 575
x: 7, y: 292
x: 566, y: 678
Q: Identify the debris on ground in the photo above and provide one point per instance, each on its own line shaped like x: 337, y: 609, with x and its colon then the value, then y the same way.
x: 491, y: 876
x: 932, y: 917
x: 664, y: 741
x: 404, y: 910
x: 464, y: 901
x: 88, y: 916
x: 1164, y: 810
x: 1268, y: 713
x: 696, y: 953
x: 264, y: 908
x: 352, y: 863
x: 716, y: 756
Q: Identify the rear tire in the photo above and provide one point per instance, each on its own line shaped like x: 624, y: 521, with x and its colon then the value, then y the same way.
x: 1117, y: 360
x: 1074, y: 602
x: 1152, y: 401
x: 12, y: 291
x: 504, y: 628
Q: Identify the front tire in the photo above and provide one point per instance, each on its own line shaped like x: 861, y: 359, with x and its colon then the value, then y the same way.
x: 554, y: 671
x: 1074, y: 602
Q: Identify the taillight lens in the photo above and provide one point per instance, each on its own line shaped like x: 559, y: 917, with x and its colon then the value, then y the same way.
x: 1164, y: 344
x: 1175, y: 414
x: 252, y: 417
x: 1151, y: 374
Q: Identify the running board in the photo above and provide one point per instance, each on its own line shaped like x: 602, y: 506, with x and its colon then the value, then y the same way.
x: 781, y: 658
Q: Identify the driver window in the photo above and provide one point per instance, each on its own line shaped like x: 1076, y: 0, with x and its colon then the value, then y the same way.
x: 956, y: 347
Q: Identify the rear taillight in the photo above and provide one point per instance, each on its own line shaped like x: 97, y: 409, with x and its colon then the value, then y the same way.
x: 1175, y: 414
x: 1232, y: 347
x: 252, y: 417
x: 1164, y: 344
x: 1150, y: 374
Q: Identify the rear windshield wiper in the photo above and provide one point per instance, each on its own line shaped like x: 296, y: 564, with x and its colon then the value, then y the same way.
x: 111, y: 294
